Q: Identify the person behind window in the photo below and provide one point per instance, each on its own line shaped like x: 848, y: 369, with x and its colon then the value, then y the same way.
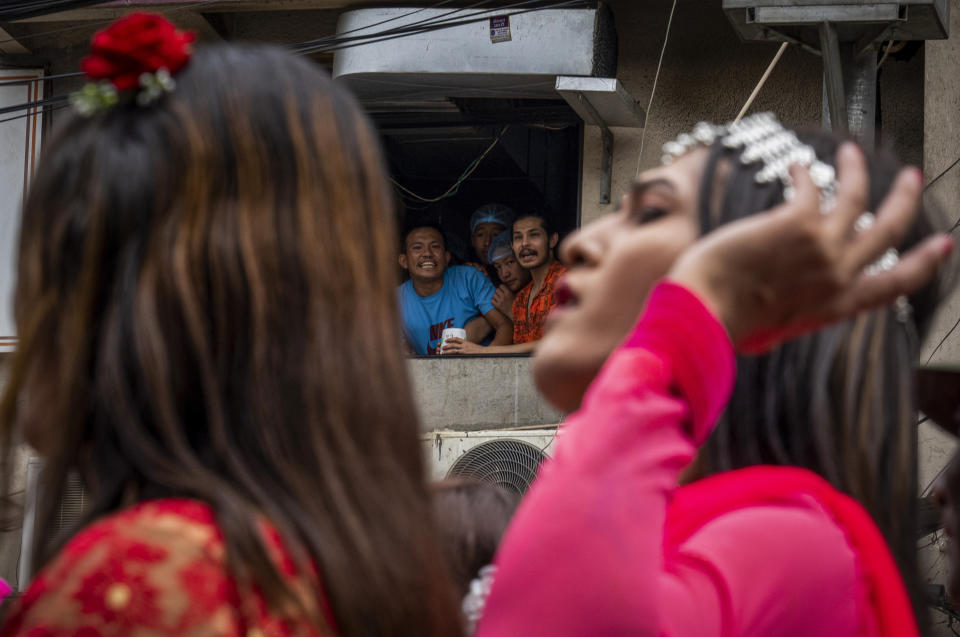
x: 534, y: 242
x: 533, y: 301
x: 437, y: 297
x: 486, y: 223
x: 509, y: 270
x: 533, y: 245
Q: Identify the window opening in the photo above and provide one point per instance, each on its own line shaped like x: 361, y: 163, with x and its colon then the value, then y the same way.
x: 449, y: 158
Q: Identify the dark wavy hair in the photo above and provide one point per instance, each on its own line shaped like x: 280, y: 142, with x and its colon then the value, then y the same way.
x: 472, y: 517
x: 206, y: 309
x: 840, y: 401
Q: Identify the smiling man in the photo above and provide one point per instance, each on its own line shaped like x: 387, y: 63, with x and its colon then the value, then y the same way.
x: 438, y: 297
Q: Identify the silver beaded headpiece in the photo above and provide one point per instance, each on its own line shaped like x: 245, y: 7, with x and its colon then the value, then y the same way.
x: 764, y: 139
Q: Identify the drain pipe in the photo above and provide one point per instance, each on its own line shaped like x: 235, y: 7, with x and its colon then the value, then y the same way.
x: 849, y: 86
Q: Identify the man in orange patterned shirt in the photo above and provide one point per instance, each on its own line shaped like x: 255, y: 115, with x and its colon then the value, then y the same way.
x: 534, y: 242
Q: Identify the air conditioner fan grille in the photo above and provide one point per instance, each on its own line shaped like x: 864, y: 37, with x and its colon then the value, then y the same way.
x: 511, y: 464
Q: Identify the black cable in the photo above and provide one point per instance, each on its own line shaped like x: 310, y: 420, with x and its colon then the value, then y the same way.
x: 400, y: 32
x: 94, y: 23
x: 430, y: 28
x: 19, y: 9
x: 437, y: 23
x: 382, y: 22
x: 46, y: 109
x: 937, y: 178
x: 175, y: 10
x: 443, y: 25
x: 943, y: 340
x: 43, y: 78
x: 338, y: 37
x: 19, y: 107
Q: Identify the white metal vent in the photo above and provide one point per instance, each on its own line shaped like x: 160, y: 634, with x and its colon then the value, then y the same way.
x: 511, y: 464
x: 71, y: 507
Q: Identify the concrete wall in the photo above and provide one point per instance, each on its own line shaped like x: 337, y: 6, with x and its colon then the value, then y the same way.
x: 471, y: 394
x: 708, y: 73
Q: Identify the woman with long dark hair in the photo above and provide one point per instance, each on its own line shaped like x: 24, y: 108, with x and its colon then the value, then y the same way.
x: 767, y: 540
x: 208, y: 338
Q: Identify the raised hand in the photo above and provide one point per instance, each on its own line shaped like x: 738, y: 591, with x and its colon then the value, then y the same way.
x: 773, y: 276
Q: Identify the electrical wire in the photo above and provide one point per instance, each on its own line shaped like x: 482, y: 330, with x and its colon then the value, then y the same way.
x: 20, y: 9
x: 187, y: 8
x: 95, y: 23
x: 943, y: 340
x: 44, y: 109
x: 942, y: 173
x: 763, y: 80
x: 936, y: 179
x: 402, y: 32
x: 653, y: 89
x: 333, y: 38
x: 436, y: 22
x: 395, y: 18
x: 469, y: 170
x: 430, y: 25
x: 440, y: 23
x: 933, y: 481
x: 56, y: 99
x: 42, y: 78
x: 952, y: 229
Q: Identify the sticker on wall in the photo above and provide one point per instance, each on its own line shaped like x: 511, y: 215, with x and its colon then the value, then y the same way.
x: 500, y: 29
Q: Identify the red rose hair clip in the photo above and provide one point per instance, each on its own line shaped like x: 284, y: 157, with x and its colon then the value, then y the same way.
x: 136, y: 57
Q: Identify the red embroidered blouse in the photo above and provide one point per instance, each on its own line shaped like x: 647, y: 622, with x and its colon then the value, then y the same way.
x: 157, y: 568
x: 528, y: 324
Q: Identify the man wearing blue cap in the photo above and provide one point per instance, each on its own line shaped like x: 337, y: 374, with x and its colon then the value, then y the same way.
x: 486, y: 223
x: 438, y: 297
x: 513, y: 275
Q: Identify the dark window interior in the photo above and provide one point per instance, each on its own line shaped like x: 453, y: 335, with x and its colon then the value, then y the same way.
x: 535, y: 165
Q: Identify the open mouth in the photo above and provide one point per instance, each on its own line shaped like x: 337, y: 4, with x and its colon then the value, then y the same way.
x: 427, y: 264
x: 527, y: 254
x: 564, y: 295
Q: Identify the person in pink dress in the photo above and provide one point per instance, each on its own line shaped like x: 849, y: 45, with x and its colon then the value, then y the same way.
x: 799, y: 519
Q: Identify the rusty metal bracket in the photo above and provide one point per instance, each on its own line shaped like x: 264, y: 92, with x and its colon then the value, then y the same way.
x: 606, y: 158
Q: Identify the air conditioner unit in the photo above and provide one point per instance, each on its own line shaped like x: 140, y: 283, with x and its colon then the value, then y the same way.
x: 509, y: 458
x: 71, y: 508
x: 486, y: 53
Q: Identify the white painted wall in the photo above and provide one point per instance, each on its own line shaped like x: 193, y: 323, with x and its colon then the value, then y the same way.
x: 19, y: 150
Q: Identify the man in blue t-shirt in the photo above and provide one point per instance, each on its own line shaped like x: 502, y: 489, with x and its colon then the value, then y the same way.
x: 437, y: 296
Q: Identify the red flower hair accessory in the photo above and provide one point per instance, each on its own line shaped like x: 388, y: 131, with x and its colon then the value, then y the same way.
x: 137, y: 54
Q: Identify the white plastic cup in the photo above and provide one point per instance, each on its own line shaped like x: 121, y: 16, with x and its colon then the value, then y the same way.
x: 452, y: 332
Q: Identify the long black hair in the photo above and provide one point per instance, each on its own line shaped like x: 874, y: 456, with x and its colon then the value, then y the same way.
x: 206, y: 287
x: 840, y: 401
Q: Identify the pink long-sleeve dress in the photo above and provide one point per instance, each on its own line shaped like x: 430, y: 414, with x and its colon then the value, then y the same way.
x: 607, y: 544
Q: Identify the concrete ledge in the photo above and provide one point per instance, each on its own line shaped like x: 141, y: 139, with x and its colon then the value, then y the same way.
x: 471, y: 394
